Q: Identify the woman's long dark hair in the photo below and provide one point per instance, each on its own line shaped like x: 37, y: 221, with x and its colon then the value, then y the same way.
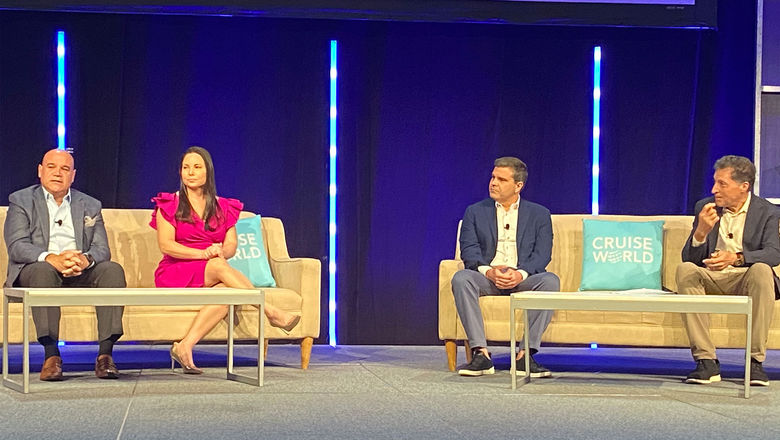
x: 184, y: 210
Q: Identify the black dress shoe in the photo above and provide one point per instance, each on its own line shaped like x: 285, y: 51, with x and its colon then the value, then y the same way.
x: 52, y: 369
x: 105, y: 367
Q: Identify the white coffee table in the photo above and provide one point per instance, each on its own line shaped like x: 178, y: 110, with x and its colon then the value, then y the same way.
x: 629, y: 301
x: 33, y: 297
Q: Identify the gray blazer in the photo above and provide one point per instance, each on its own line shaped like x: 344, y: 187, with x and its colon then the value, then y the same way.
x: 26, y: 229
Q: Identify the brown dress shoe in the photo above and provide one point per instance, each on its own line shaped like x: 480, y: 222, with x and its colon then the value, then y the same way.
x: 52, y: 369
x: 105, y: 368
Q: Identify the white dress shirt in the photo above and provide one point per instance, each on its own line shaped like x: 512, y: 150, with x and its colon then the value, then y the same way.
x: 506, y: 248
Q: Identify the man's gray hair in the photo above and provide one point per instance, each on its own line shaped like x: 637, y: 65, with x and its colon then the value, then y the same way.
x: 519, y: 168
x: 742, y: 169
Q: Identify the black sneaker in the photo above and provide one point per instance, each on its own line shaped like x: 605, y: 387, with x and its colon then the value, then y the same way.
x: 537, y: 370
x: 707, y: 371
x: 479, y: 365
x: 757, y: 374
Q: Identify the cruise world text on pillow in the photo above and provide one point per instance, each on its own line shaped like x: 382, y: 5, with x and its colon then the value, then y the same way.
x: 627, y: 249
x: 621, y: 255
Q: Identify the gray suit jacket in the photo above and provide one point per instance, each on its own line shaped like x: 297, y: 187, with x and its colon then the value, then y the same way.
x: 26, y: 229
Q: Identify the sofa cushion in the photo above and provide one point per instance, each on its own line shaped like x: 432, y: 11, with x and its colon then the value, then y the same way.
x: 250, y: 257
x: 621, y: 255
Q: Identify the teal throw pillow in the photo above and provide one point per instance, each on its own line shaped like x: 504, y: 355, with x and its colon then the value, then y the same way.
x: 250, y: 258
x: 621, y: 255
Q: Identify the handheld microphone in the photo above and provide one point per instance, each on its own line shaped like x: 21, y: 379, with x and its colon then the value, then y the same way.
x: 59, y: 222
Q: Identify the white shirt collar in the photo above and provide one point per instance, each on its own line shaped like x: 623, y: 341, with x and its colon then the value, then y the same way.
x: 50, y: 198
x: 744, y: 207
x: 514, y: 205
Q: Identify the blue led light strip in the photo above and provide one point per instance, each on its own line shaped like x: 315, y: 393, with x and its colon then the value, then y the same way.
x: 60, y: 90
x: 332, y: 196
x: 594, y: 193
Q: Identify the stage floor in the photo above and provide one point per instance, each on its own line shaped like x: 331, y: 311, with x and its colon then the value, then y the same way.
x: 391, y: 392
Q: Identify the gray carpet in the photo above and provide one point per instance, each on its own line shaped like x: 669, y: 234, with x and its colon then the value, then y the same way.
x: 391, y: 392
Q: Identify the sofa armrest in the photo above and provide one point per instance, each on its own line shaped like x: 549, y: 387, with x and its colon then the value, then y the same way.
x: 302, y: 275
x: 448, y: 314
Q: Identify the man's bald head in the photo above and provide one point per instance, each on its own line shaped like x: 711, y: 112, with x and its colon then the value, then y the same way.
x: 56, y: 172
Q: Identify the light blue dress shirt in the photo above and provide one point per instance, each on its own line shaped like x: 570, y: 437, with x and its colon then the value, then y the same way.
x: 62, y: 236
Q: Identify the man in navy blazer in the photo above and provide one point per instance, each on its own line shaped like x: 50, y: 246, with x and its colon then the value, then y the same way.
x: 505, y: 245
x: 732, y: 248
x: 56, y: 238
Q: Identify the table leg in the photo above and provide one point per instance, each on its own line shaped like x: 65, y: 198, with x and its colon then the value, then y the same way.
x: 748, y: 337
x: 232, y: 375
x: 527, y: 354
x: 512, y: 343
x: 5, y: 337
x: 8, y: 382
x: 261, y: 343
x: 231, y: 323
x: 26, y: 348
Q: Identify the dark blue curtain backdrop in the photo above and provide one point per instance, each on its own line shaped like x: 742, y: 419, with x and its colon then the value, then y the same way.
x: 424, y: 109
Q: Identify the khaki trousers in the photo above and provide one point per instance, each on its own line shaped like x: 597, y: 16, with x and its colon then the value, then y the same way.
x: 757, y: 281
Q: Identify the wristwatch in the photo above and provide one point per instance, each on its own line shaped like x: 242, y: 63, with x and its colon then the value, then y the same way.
x: 740, y: 260
x: 90, y: 260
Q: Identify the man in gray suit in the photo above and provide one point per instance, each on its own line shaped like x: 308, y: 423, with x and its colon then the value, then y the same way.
x: 56, y: 238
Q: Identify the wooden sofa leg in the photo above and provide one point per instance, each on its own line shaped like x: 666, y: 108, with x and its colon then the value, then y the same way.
x: 265, y: 349
x: 306, y: 344
x: 468, y: 351
x: 452, y: 353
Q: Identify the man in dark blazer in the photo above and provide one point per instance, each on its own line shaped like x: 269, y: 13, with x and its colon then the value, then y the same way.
x: 505, y: 245
x: 56, y: 238
x: 731, y: 250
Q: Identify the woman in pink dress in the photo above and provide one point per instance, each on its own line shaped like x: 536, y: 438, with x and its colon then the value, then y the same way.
x: 197, y: 235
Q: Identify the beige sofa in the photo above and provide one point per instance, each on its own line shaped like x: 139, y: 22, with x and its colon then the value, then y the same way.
x: 133, y: 244
x: 578, y: 327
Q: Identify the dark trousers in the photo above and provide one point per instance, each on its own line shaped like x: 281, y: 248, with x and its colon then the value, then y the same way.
x: 47, y: 319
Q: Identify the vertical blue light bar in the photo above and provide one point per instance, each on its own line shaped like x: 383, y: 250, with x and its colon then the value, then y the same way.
x: 594, y: 193
x: 332, y: 196
x: 60, y: 90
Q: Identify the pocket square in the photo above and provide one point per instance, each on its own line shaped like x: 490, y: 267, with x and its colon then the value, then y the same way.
x: 89, y: 221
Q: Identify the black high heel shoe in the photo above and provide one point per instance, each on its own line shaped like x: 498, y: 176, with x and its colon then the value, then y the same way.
x: 185, y: 368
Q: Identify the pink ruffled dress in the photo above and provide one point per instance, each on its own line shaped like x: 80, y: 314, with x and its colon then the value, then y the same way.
x: 175, y: 272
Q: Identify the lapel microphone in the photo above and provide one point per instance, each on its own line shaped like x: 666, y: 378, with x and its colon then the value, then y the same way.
x: 506, y: 226
x: 59, y: 222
